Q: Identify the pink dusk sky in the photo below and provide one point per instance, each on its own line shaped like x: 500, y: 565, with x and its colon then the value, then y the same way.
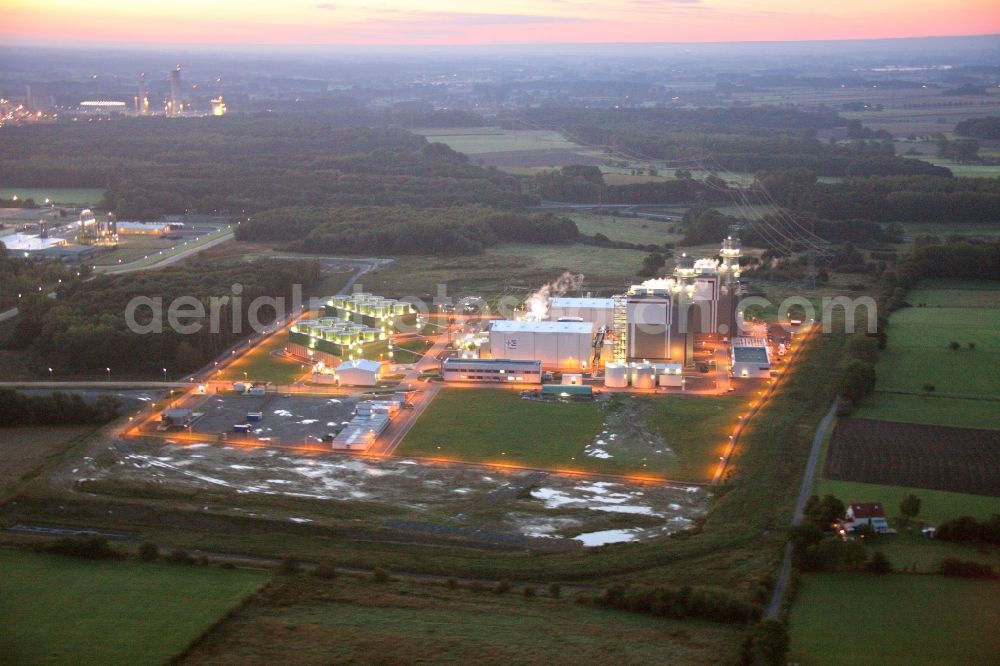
x: 380, y: 22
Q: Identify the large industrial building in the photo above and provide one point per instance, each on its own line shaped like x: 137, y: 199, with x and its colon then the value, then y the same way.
x: 559, y: 345
x: 598, y: 311
x: 37, y: 248
x: 750, y: 358
x: 492, y: 370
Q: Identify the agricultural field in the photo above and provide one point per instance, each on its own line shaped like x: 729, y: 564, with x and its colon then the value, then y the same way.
x: 987, y: 230
x: 936, y: 506
x: 509, y: 268
x: 59, y: 196
x: 857, y: 619
x: 24, y: 450
x: 931, y: 410
x: 62, y: 610
x: 962, y: 460
x: 627, y: 229
x: 918, y: 352
x: 498, y: 147
x: 355, y: 620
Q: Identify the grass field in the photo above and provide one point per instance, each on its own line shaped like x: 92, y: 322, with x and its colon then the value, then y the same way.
x: 853, y: 619
x: 965, y: 170
x: 627, y: 229
x: 474, y: 141
x: 936, y: 505
x: 60, y: 196
x: 521, y: 267
x: 260, y: 364
x: 931, y: 410
x: 23, y: 450
x: 696, y: 429
x: 918, y: 351
x: 132, y: 249
x: 357, y: 621
x: 494, y: 425
x: 679, y: 438
x: 606, y: 264
x: 946, y: 229
x: 955, y: 294
x: 61, y: 610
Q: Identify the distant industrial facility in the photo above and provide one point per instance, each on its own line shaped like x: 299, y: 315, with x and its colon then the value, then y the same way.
x: 656, y: 321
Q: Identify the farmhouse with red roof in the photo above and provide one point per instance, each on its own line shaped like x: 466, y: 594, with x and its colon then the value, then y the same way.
x: 866, y: 513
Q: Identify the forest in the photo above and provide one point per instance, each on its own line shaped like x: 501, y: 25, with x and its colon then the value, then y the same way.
x: 84, y: 330
x: 248, y: 163
x: 740, y: 139
x: 404, y: 229
x: 19, y: 409
x: 888, y: 198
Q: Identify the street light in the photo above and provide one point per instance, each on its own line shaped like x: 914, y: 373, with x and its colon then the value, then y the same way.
x: 164, y: 374
x: 109, y: 373
x: 50, y: 374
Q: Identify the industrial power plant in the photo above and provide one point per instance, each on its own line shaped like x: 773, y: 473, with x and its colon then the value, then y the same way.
x: 644, y: 337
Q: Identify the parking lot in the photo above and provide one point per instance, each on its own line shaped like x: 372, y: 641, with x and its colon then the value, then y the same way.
x: 284, y: 420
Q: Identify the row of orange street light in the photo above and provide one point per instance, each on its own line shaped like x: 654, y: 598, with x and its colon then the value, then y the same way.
x: 742, y: 419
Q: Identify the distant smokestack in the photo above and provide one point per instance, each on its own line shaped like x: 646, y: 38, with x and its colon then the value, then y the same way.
x: 176, y: 105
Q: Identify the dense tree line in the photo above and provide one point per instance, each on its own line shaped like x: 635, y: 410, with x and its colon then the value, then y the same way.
x: 18, y: 409
x: 20, y: 276
x: 979, y: 128
x: 404, y: 229
x: 704, y: 603
x: 85, y: 329
x: 967, y: 529
x: 585, y: 184
x: 887, y: 199
x: 741, y: 139
x: 153, y: 166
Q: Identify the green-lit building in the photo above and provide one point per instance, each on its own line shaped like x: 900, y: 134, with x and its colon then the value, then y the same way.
x: 386, y: 314
x: 332, y: 340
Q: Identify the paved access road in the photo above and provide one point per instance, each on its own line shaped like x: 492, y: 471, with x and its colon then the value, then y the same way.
x: 774, y: 608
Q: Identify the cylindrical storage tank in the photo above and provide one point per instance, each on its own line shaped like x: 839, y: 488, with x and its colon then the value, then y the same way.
x: 343, y: 337
x: 338, y: 301
x: 644, y: 377
x: 399, y: 308
x: 369, y: 335
x: 616, y: 375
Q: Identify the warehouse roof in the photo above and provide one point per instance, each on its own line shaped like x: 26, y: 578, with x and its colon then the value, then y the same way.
x: 567, y: 302
x: 27, y: 243
x: 509, y: 326
x: 750, y: 355
x: 360, y: 364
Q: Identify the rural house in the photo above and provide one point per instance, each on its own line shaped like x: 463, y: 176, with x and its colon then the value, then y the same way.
x: 866, y: 513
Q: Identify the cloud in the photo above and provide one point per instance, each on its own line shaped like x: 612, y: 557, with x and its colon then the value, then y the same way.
x: 327, y: 6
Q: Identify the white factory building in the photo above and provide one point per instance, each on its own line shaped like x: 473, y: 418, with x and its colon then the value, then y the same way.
x: 562, y: 345
x: 598, y: 311
x: 750, y: 358
x: 491, y: 370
